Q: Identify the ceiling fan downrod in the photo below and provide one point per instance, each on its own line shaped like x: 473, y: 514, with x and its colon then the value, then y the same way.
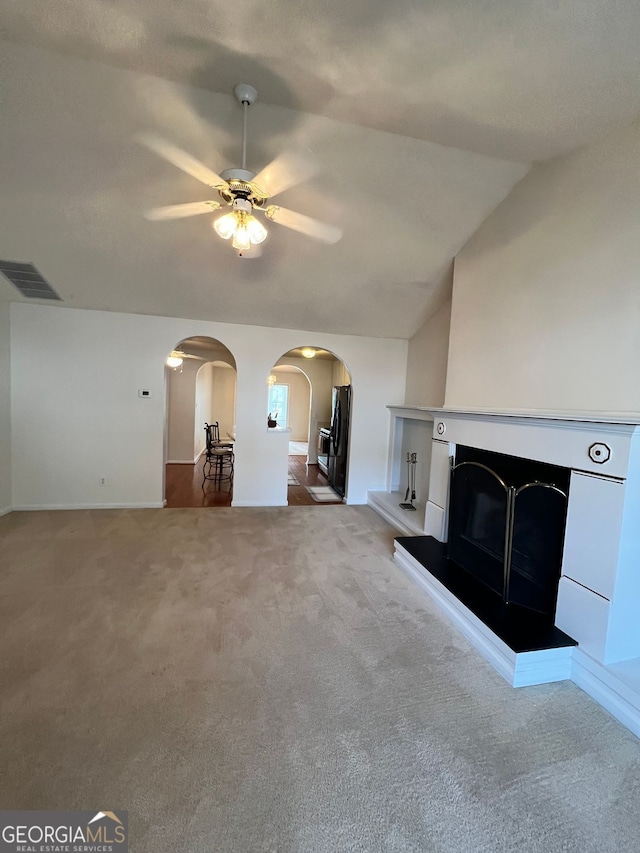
x: 246, y: 95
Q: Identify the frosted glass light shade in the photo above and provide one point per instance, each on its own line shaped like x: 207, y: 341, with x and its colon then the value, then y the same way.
x: 308, y: 352
x: 257, y: 231
x: 174, y: 361
x: 226, y: 225
x: 241, y: 238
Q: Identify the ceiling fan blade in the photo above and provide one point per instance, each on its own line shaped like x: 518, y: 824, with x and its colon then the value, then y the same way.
x: 304, y: 224
x: 288, y: 169
x: 181, y: 159
x: 179, y: 211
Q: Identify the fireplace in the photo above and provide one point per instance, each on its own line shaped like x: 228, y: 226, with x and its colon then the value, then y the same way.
x: 547, y: 493
x: 507, y: 519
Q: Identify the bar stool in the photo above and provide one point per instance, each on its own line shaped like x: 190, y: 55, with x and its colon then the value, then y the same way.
x: 219, y: 457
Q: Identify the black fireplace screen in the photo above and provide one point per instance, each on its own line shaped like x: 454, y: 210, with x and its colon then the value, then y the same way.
x: 506, y: 524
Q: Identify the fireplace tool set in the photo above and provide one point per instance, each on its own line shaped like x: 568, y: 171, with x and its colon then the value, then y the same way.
x: 412, y: 459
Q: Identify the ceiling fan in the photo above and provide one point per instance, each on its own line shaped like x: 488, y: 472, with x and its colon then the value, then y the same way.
x: 244, y: 191
x: 176, y: 357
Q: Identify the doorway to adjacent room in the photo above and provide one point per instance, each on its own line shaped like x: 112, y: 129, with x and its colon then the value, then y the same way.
x: 201, y: 389
x: 301, y: 398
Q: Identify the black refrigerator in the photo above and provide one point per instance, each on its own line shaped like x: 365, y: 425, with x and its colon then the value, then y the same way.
x: 339, y: 438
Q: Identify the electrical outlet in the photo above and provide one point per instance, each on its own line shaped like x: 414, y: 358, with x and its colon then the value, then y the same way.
x: 103, y: 481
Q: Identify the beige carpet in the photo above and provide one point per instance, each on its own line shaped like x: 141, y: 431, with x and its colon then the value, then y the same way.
x: 268, y: 680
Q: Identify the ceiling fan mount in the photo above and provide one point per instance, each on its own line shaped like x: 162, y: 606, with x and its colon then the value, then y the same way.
x: 245, y: 191
x: 240, y: 185
x: 245, y: 93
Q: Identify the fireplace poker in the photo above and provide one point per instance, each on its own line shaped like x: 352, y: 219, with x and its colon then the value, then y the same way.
x: 412, y: 458
x: 406, y: 494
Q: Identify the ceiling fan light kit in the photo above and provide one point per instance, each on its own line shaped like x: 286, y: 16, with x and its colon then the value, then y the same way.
x: 177, y: 356
x: 174, y: 360
x: 244, y: 191
x: 245, y: 229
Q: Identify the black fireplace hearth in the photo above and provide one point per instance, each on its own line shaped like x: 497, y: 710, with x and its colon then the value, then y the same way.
x: 521, y: 629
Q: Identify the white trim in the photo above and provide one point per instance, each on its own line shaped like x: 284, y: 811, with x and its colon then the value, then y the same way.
x: 40, y: 507
x: 376, y: 502
x: 5, y: 510
x: 182, y: 461
x: 518, y: 669
x: 414, y: 413
x: 575, y: 417
x: 262, y: 503
x: 608, y: 689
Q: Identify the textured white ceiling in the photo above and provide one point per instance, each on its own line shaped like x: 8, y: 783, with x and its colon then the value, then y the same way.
x: 519, y: 79
x: 417, y: 111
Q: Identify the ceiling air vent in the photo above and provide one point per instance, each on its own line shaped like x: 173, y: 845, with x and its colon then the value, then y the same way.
x: 27, y: 279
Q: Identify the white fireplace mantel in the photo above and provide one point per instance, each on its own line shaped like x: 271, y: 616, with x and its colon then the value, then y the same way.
x: 599, y: 591
x: 567, y: 415
x: 561, y: 438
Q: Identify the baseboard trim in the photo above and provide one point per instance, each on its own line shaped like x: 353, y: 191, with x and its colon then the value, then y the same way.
x: 182, y: 461
x: 41, y: 507
x: 521, y: 669
x: 607, y: 689
x: 5, y: 510
x: 261, y: 504
x: 604, y: 684
x: 391, y: 519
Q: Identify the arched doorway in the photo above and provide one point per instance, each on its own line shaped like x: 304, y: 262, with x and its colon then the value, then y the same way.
x: 313, y: 476
x: 201, y: 388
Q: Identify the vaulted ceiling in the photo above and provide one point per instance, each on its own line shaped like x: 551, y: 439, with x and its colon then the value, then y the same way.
x: 423, y: 114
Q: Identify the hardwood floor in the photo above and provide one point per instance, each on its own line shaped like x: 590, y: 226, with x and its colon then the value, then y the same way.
x: 307, y: 475
x: 184, y: 486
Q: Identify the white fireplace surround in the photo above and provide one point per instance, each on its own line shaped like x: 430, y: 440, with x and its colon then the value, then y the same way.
x: 599, y: 591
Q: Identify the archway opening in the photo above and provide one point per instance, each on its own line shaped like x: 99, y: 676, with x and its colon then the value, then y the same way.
x: 201, y: 389
x: 312, y: 386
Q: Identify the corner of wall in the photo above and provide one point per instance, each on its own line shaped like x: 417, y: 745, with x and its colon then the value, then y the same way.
x: 5, y: 409
x: 427, y: 360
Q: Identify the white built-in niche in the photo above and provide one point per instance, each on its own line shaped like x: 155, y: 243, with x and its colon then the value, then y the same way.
x: 411, y: 430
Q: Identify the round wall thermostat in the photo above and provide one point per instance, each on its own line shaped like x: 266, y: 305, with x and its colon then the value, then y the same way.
x: 441, y: 427
x: 599, y: 452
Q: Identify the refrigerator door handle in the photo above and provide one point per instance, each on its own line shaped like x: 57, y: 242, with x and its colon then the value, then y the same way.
x: 335, y: 431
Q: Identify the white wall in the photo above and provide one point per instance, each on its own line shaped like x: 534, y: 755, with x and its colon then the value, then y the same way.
x: 223, y: 399
x: 181, y: 388
x: 427, y: 360
x: 5, y: 410
x: 203, y: 407
x: 340, y: 374
x: 103, y: 429
x: 546, y: 295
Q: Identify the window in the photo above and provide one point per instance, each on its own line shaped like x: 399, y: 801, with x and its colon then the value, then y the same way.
x: 279, y: 403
